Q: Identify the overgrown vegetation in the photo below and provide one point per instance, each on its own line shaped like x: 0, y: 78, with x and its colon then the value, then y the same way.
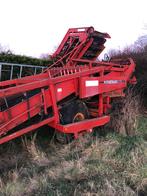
x: 92, y: 165
x: 139, y: 55
x: 125, y: 113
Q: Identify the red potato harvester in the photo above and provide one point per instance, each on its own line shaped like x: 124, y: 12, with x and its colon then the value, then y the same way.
x: 72, y: 95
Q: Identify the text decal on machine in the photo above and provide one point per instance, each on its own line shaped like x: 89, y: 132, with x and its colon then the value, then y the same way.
x: 112, y: 81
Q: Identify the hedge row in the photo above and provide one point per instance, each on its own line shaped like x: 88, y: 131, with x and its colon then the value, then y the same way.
x: 19, y: 59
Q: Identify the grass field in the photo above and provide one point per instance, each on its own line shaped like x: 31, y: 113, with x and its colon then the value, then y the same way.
x: 92, y: 165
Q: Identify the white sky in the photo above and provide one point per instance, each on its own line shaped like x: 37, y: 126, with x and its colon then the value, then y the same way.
x: 33, y: 27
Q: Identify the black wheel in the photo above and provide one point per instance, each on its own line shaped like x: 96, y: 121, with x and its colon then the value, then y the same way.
x: 72, y: 112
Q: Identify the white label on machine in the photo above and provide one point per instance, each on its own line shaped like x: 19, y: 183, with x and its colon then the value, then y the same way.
x: 92, y: 83
x: 59, y: 90
x: 79, y: 30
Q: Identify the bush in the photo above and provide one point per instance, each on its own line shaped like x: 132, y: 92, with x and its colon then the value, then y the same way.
x: 19, y: 59
x: 140, y: 58
x: 125, y: 112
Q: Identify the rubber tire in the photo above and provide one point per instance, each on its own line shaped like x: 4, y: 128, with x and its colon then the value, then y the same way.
x: 67, y: 114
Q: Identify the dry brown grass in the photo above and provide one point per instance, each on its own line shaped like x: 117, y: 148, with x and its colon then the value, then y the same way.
x: 107, y: 166
x: 112, y: 165
x: 125, y: 114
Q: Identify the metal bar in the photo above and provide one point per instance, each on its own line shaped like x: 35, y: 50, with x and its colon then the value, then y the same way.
x: 25, y: 130
x: 0, y: 71
x: 44, y: 101
x: 35, y: 71
x: 23, y: 65
x: 54, y: 102
x: 23, y: 88
x: 20, y: 73
x: 11, y: 74
x: 100, y: 99
x: 94, y: 62
x: 27, y: 79
x: 100, y: 105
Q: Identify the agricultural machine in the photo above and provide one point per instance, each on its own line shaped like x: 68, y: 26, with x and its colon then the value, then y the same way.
x: 73, y: 95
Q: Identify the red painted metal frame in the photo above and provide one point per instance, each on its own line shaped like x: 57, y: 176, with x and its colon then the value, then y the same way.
x: 81, y: 77
x: 25, y: 130
x: 77, y: 127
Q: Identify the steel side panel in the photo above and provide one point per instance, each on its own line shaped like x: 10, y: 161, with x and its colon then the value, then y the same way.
x: 97, y: 85
x: 64, y: 89
x: 19, y: 113
x: 88, y: 90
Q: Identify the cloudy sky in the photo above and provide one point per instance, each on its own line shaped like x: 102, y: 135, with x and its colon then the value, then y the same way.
x: 34, y: 27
